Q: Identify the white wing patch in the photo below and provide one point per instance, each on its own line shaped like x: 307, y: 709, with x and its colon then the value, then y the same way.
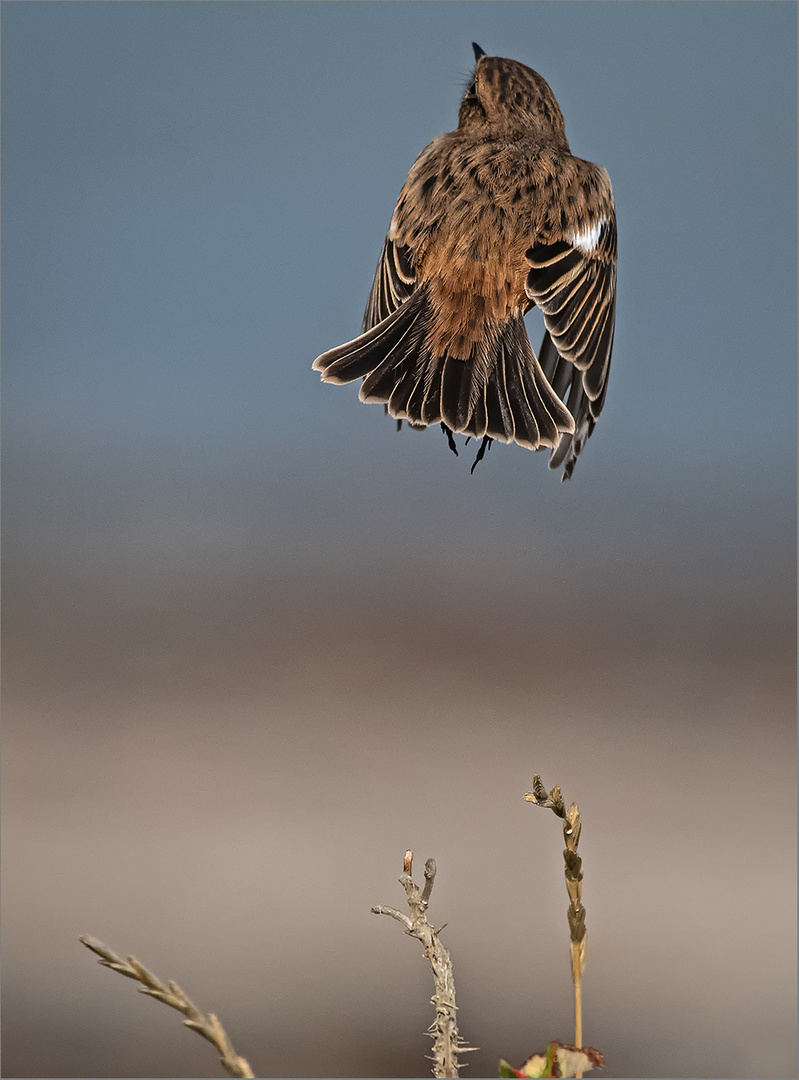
x: 586, y: 240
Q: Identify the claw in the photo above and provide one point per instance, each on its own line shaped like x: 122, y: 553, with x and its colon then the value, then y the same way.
x: 484, y: 445
x: 450, y: 441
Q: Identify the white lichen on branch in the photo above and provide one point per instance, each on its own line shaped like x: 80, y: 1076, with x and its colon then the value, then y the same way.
x: 444, y: 1029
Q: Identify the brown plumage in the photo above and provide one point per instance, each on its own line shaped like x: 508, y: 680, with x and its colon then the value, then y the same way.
x: 494, y: 218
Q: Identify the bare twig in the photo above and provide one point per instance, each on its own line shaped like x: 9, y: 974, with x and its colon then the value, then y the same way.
x: 444, y: 1029
x: 574, y: 886
x: 210, y: 1027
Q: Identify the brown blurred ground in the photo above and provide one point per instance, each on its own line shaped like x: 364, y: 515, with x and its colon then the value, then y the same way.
x: 221, y: 775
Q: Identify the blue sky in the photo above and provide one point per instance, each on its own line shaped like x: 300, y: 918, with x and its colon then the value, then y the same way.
x: 195, y: 197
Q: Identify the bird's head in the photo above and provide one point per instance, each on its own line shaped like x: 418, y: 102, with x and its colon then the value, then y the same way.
x: 509, y: 98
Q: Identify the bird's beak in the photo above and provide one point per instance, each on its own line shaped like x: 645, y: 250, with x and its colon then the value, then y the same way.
x: 478, y: 52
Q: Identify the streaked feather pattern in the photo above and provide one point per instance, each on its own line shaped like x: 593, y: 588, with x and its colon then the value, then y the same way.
x: 494, y: 219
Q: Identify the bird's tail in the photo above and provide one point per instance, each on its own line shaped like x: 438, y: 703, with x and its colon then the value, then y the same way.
x: 500, y: 391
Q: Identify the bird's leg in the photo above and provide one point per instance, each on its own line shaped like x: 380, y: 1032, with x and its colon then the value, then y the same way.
x: 484, y: 445
x: 450, y: 441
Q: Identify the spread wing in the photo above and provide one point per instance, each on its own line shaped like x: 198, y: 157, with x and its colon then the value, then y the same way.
x: 573, y: 281
x: 394, y: 281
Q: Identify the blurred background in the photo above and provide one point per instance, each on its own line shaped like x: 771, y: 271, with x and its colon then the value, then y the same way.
x: 257, y: 643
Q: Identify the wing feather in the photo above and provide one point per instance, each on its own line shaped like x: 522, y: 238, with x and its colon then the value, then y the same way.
x: 573, y: 281
x: 394, y: 281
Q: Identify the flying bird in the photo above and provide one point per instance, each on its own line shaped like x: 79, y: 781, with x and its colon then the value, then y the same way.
x: 495, y: 218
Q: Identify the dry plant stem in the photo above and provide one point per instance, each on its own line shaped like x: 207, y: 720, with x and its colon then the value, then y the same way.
x: 210, y: 1027
x: 444, y: 1029
x: 572, y: 827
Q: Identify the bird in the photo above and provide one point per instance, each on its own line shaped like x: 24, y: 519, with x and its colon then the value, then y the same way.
x: 495, y: 218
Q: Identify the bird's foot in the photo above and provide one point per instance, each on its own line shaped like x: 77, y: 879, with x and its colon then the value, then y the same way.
x: 484, y: 445
x: 450, y: 441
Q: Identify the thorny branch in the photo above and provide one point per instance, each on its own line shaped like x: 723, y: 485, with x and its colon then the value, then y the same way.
x: 444, y: 1029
